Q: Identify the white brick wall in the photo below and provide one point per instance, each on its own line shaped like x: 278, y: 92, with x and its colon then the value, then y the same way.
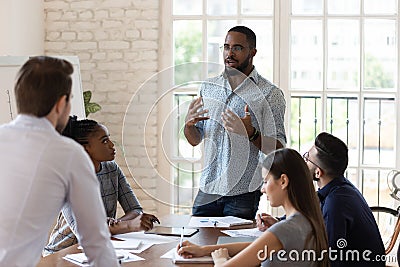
x: 117, y: 44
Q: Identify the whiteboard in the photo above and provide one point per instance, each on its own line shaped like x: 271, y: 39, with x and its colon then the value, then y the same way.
x: 9, y: 66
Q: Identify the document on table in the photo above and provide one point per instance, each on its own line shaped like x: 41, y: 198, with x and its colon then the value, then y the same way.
x: 146, y: 238
x: 142, y: 247
x: 226, y: 221
x: 254, y: 232
x: 126, y: 244
x: 132, y: 248
x: 172, y: 254
x: 80, y: 259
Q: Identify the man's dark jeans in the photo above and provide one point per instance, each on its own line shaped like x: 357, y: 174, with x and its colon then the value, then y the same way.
x: 244, y: 206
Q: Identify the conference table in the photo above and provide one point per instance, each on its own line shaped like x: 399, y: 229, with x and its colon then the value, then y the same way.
x: 205, y: 236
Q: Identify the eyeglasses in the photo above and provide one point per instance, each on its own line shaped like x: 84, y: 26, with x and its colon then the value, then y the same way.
x: 306, y: 158
x: 234, y: 48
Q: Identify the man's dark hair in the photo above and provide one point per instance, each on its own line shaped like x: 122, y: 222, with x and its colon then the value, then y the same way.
x: 41, y: 82
x: 332, y: 154
x: 250, y: 35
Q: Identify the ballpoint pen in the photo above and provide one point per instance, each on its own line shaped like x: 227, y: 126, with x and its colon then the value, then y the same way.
x: 181, y: 241
x: 262, y: 221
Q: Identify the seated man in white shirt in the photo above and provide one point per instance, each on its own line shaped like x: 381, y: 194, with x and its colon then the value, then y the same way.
x: 42, y: 171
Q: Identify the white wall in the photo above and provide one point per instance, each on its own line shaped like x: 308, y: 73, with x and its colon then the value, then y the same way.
x: 117, y: 44
x: 21, y: 27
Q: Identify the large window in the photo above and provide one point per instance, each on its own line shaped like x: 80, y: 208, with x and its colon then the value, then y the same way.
x: 335, y: 60
x: 343, y: 80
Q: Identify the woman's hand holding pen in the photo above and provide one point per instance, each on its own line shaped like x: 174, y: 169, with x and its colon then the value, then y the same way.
x: 189, y: 250
x: 264, y: 221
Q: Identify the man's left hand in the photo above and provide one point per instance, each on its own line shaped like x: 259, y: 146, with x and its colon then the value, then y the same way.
x: 235, y: 124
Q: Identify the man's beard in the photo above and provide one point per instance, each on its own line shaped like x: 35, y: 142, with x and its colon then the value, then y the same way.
x: 239, y: 69
x: 313, y: 175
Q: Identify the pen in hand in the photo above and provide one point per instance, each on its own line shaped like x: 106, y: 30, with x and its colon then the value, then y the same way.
x: 181, y: 241
x: 262, y: 222
x: 111, y: 221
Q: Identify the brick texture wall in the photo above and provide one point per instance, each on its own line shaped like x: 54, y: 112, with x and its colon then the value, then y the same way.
x: 117, y: 45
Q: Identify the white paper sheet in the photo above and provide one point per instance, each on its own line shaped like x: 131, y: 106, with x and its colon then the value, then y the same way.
x: 140, y: 249
x: 126, y: 244
x: 80, y: 259
x: 243, y: 232
x: 169, y: 254
x: 173, y: 255
x: 147, y: 238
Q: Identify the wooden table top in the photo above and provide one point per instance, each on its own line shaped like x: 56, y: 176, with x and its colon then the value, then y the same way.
x: 205, y: 236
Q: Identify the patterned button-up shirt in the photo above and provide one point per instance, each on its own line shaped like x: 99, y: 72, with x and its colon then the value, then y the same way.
x: 231, y: 162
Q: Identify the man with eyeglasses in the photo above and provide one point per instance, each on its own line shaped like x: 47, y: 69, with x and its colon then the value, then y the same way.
x: 240, y: 115
x: 349, y: 221
x: 350, y: 224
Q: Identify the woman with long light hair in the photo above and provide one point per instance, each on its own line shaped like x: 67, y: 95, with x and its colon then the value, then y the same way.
x: 299, y: 240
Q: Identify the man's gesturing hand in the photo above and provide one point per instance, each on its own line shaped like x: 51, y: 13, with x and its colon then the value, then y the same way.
x: 195, y: 113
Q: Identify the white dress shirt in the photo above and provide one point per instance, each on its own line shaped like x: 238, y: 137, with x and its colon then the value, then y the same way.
x: 40, y: 172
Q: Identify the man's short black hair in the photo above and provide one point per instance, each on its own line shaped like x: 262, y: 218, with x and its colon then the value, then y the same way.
x: 332, y: 154
x: 250, y: 35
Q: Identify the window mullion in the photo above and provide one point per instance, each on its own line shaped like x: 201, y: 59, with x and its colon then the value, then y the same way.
x: 397, y: 94
x: 324, y: 99
x: 282, y: 54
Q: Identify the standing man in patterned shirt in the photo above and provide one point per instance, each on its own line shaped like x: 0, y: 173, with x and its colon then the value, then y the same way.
x: 240, y: 116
